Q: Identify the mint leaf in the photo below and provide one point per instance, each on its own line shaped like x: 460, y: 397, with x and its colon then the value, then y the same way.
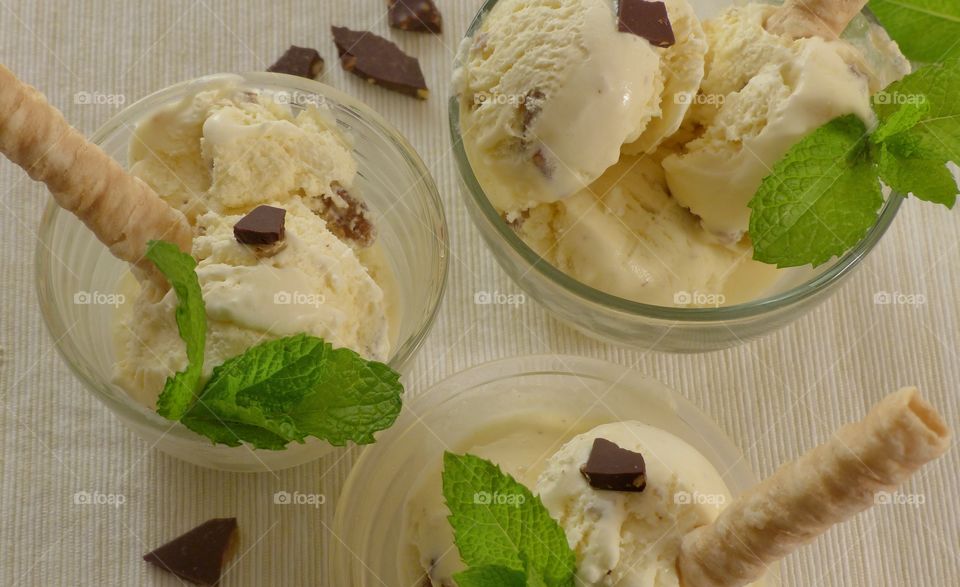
x: 179, y: 268
x: 939, y: 86
x: 491, y: 576
x: 287, y: 389
x: 909, y: 168
x: 901, y: 120
x: 913, y: 157
x: 820, y: 200
x: 354, y: 399
x: 498, y: 522
x: 926, y: 30
x: 498, y: 576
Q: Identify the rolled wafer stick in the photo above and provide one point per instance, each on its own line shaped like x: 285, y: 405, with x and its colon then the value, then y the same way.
x: 121, y: 210
x: 803, y: 499
x: 814, y: 18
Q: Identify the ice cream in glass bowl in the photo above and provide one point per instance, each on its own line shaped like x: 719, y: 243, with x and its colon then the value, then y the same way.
x: 557, y: 405
x: 588, y: 473
x: 610, y: 161
x: 308, y: 214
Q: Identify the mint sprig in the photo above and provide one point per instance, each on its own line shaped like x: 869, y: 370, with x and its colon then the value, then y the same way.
x: 504, y: 533
x: 288, y: 389
x: 179, y: 391
x: 824, y: 195
x: 926, y: 30
x: 277, y: 392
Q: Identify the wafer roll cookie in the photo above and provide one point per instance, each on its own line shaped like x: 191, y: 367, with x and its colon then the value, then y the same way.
x: 121, y: 210
x: 803, y: 499
x: 827, y: 19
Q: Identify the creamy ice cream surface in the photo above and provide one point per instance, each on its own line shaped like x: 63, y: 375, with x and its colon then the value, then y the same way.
x: 551, y: 90
x: 626, y: 236
x: 619, y: 539
x: 215, y: 156
x: 632, y: 539
x: 762, y: 94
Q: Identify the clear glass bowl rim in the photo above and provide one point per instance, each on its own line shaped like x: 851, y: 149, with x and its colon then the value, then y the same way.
x: 55, y: 326
x: 840, y: 268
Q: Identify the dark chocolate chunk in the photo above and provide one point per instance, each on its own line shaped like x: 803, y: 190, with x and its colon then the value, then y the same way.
x: 380, y: 62
x: 421, y: 16
x: 300, y: 61
x: 263, y: 226
x: 648, y: 20
x: 614, y: 469
x: 198, y: 556
x: 347, y: 217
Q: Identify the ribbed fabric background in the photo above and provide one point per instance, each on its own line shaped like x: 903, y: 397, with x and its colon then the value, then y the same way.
x: 775, y: 398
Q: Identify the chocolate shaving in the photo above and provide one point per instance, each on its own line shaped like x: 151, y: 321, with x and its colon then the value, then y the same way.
x: 198, y: 556
x: 346, y: 216
x: 648, y: 20
x: 420, y: 16
x: 380, y: 62
x: 300, y: 61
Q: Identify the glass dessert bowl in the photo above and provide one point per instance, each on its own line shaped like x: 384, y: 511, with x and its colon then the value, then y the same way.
x: 699, y: 319
x: 79, y: 282
x: 552, y: 399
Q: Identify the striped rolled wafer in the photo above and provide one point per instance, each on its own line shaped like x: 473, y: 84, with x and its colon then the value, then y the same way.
x: 121, y: 210
x: 827, y: 19
x: 826, y: 486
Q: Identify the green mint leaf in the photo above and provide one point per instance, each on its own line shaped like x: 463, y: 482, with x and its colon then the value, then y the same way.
x: 499, y: 576
x: 354, y: 399
x: 498, y: 522
x: 919, y: 133
x: 909, y: 169
x: 820, y: 200
x: 288, y: 389
x: 938, y: 85
x: 901, y: 120
x: 491, y: 576
x: 179, y: 391
x: 926, y: 30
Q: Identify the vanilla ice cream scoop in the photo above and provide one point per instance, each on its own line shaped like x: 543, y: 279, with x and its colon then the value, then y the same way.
x: 217, y: 155
x: 762, y: 94
x: 632, y: 539
x: 627, y: 237
x: 550, y: 91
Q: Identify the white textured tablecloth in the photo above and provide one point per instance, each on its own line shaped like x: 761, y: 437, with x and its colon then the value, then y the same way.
x: 775, y: 398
